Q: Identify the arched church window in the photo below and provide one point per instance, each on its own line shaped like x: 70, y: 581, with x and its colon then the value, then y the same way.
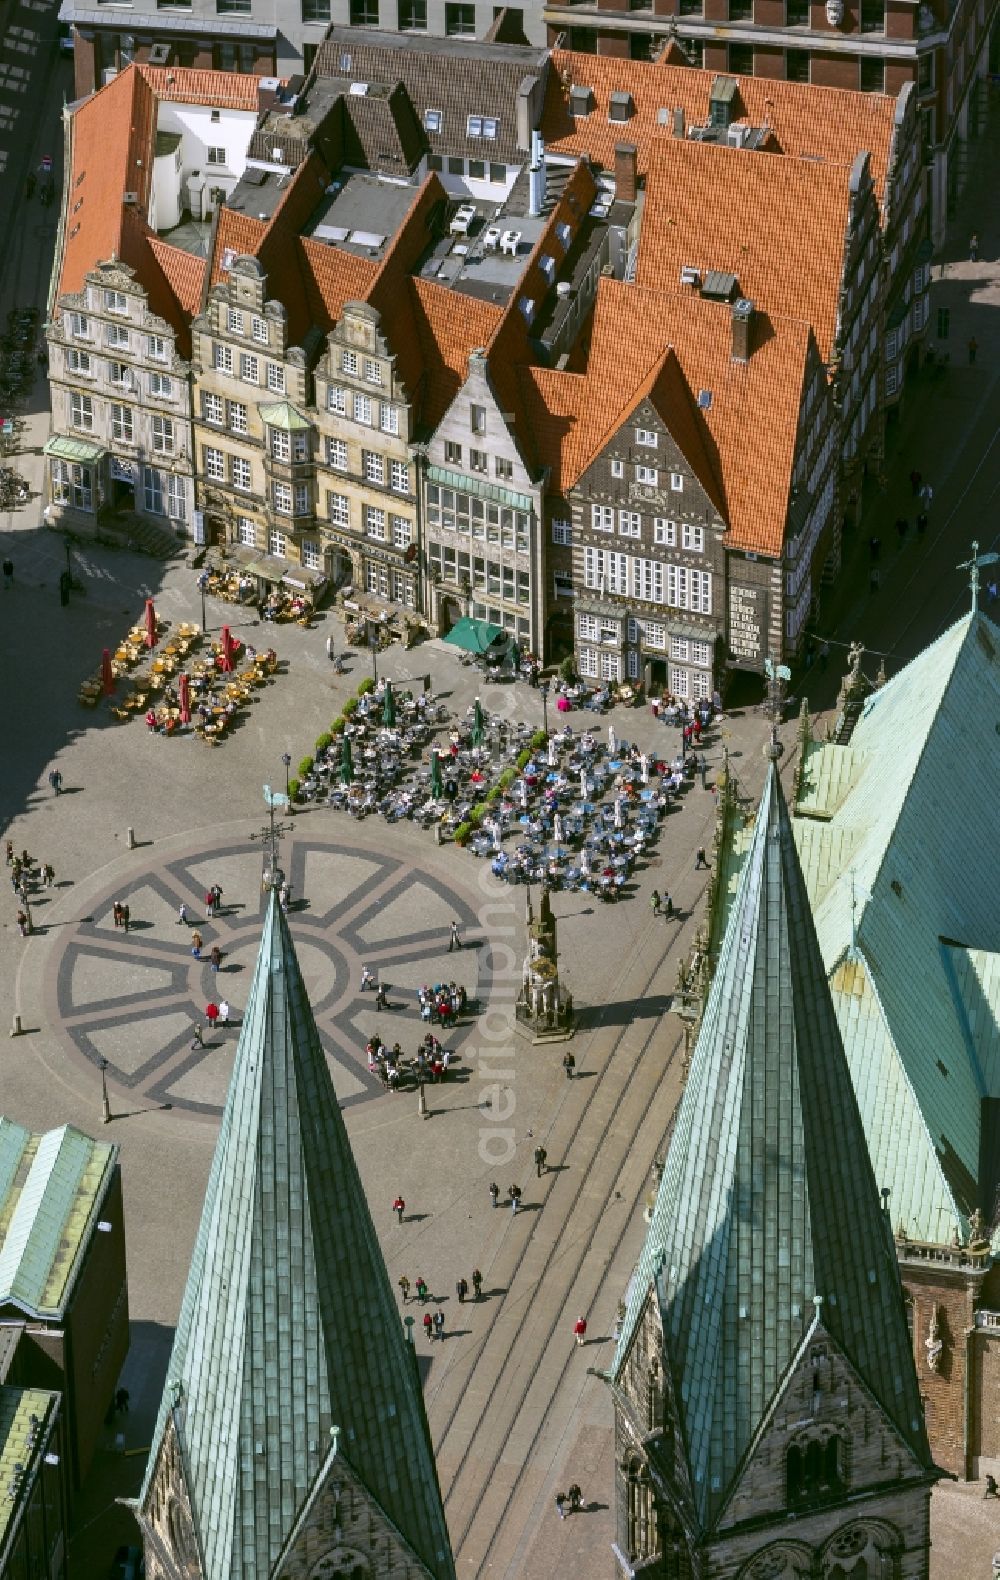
x: 640, y: 1526
x: 814, y: 1470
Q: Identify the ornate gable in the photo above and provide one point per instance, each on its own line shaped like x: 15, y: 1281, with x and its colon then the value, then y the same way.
x: 166, y: 1518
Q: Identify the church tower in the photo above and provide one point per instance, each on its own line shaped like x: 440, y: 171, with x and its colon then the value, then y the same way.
x: 291, y: 1441
x: 768, y: 1423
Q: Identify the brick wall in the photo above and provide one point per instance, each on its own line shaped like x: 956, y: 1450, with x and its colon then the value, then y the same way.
x: 944, y: 1391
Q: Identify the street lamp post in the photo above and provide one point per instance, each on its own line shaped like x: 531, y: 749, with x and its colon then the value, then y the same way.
x: 204, y: 614
x: 373, y: 644
x: 544, y: 689
x: 105, y: 1105
x: 286, y: 758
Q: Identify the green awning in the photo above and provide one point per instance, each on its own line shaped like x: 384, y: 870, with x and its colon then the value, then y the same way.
x: 73, y: 449
x: 475, y: 636
x: 475, y: 485
x: 284, y: 415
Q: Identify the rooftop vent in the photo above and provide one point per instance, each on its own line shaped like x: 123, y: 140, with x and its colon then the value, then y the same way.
x: 718, y: 286
x: 130, y: 197
x: 159, y: 55
x: 743, y: 317
x: 621, y: 107
x: 690, y: 275
x: 705, y: 399
x: 345, y: 62
x: 662, y: 116
x: 276, y: 155
x: 581, y: 100
x: 359, y: 90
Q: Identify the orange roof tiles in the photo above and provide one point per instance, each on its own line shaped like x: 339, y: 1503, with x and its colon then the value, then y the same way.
x: 450, y: 326
x: 239, y: 234
x: 712, y: 207
x: 184, y: 272
x: 816, y: 123
x: 224, y: 90
x: 332, y: 277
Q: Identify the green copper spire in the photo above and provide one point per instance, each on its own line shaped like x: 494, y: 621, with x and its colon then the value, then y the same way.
x: 289, y: 1339
x: 768, y: 1220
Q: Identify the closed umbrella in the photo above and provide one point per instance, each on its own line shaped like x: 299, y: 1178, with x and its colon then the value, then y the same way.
x: 150, y: 623
x: 388, y: 707
x: 107, y: 674
x: 437, y: 787
x: 346, y: 763
x: 478, y: 726
x: 184, y: 697
x: 227, y: 650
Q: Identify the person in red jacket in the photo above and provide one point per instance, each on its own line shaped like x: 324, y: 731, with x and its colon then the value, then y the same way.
x: 580, y: 1329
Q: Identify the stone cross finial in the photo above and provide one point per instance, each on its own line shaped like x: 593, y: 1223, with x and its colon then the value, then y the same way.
x: 973, y: 566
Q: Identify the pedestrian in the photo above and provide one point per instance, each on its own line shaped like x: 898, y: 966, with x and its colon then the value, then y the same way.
x: 973, y: 248
x: 700, y: 859
x: 439, y: 1325
x: 399, y: 1207
x: 125, y: 917
x: 183, y: 914
x: 580, y: 1329
x: 514, y: 1195
x: 874, y: 548
x: 223, y: 1012
x: 428, y: 1325
x: 477, y: 1282
x: 199, y: 1041
x: 927, y: 496
x: 873, y: 580
x: 703, y: 770
x: 8, y: 572
x: 461, y: 1290
x: 494, y: 1192
x: 541, y: 1157
x: 575, y: 1499
x: 569, y: 1064
x: 116, y: 909
x: 404, y: 1288
x: 48, y: 875
x: 921, y: 523
x: 329, y: 647
x: 991, y: 1487
x: 381, y: 1001
x: 216, y: 898
x: 668, y: 906
x: 654, y: 902
x: 56, y: 780
x: 421, y: 1290
x: 211, y: 1015
x: 454, y: 942
x: 560, y: 1505
x: 196, y: 940
x: 215, y: 957
x: 209, y: 905
x: 973, y: 348
x: 22, y: 924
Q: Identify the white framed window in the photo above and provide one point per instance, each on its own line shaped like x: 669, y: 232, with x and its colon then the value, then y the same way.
x: 373, y: 371
x: 611, y: 665
x: 163, y: 435
x: 362, y: 409
x: 665, y: 532
x: 215, y: 156
x: 388, y: 418
x: 503, y: 468
x: 338, y: 509
x: 152, y: 485
x: 277, y: 543
x: 240, y: 473
x: 238, y: 416
x: 452, y: 452
x: 701, y: 653
x: 433, y: 120
x: 79, y: 325
x: 117, y: 336
x: 399, y: 477
x: 677, y: 482
x: 281, y: 444
x: 679, y: 648
x: 377, y: 579
x: 679, y: 682
x: 618, y: 469
x: 701, y: 592
x: 79, y: 362
x: 562, y: 533
x: 276, y: 378
x: 222, y: 358
x: 122, y: 424
x: 81, y: 411
x: 301, y: 493
x: 602, y: 518
x: 300, y: 447
x: 474, y: 126
x: 213, y: 408
x: 373, y: 466
x: 693, y: 537
x: 246, y: 532
x: 258, y: 330
x: 349, y: 361
x: 402, y: 532
x: 118, y: 373
x: 402, y: 589
x: 72, y: 485
x: 374, y: 522
x: 235, y: 321
x: 629, y: 524
x: 647, y: 437
x: 161, y: 385
x: 115, y: 302
x: 587, y: 663
x: 633, y: 663
x: 491, y: 127
x: 562, y: 584
x: 311, y: 556
x: 648, y: 475
x: 215, y: 464
x: 654, y: 634
x: 336, y: 400
x: 156, y: 346
x: 249, y: 368
x: 479, y: 461
x: 701, y: 683
x: 588, y: 627
x: 281, y: 498
x: 647, y: 580
x: 176, y: 497
x: 336, y: 454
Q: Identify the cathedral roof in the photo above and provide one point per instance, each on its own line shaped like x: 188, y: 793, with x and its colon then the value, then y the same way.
x: 288, y: 1326
x: 768, y: 1206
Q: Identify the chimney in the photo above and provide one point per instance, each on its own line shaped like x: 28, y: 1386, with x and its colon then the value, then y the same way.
x: 743, y: 317
x: 525, y: 111
x: 626, y: 185
x: 679, y: 121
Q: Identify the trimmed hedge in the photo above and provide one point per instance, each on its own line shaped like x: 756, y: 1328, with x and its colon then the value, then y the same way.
x: 293, y: 789
x: 494, y: 793
x: 523, y: 759
x: 366, y: 685
x: 507, y: 777
x: 337, y: 727
x: 305, y: 766
x: 350, y: 706
x: 463, y: 833
x: 322, y: 742
x: 539, y: 739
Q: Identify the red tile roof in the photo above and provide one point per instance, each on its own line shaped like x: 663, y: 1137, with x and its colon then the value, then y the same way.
x: 224, y: 90
x: 450, y: 326
x: 815, y: 123
x: 184, y: 272
x: 240, y: 234
x: 711, y: 207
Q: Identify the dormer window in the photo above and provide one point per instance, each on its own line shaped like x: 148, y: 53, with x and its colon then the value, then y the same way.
x: 433, y: 120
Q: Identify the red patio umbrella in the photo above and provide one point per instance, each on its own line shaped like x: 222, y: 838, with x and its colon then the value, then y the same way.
x: 107, y: 674
x: 150, y: 623
x: 227, y: 650
x: 184, y: 697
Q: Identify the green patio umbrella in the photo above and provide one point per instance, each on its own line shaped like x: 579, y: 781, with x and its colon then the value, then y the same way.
x: 437, y: 786
x: 478, y: 726
x: 346, y: 763
x: 388, y: 707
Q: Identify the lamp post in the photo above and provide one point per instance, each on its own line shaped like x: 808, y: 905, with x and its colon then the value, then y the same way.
x: 105, y: 1105
x: 373, y: 644
x: 286, y: 758
x: 544, y: 689
x: 204, y: 615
